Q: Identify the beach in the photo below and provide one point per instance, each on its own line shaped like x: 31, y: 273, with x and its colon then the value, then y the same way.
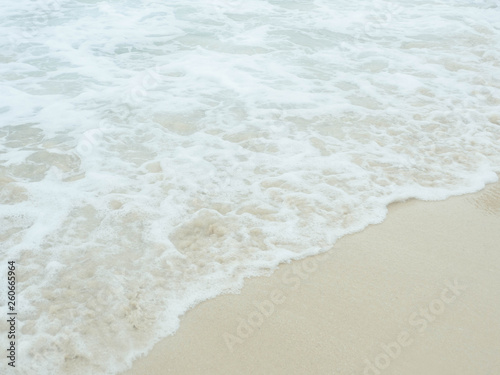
x: 417, y: 294
x: 214, y: 178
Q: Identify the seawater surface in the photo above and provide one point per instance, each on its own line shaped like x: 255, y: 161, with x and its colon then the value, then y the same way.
x: 156, y: 153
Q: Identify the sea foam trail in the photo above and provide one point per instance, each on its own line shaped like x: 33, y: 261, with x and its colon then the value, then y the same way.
x: 154, y: 154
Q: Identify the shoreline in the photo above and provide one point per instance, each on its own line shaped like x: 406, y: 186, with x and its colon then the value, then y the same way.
x: 415, y: 294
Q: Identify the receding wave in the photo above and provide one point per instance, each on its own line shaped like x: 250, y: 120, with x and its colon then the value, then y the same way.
x: 154, y: 154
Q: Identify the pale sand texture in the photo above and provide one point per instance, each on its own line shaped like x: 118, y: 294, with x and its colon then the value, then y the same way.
x: 363, y: 294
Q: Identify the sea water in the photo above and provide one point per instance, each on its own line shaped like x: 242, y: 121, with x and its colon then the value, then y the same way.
x: 156, y: 153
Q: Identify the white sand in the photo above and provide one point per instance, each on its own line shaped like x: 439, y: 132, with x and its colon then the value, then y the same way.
x: 386, y: 283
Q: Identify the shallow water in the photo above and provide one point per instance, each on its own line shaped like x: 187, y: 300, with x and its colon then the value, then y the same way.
x: 153, y: 154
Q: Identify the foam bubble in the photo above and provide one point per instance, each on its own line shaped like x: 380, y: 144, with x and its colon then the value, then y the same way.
x: 154, y: 155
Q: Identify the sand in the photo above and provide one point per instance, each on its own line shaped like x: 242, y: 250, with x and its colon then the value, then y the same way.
x: 417, y: 294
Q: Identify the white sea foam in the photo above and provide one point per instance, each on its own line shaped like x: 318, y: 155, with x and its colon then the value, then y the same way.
x: 154, y: 154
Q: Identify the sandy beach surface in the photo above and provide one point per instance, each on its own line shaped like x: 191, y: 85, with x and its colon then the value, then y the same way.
x: 417, y: 294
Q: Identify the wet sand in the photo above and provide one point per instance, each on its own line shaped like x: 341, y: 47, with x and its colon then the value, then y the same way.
x: 417, y: 294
